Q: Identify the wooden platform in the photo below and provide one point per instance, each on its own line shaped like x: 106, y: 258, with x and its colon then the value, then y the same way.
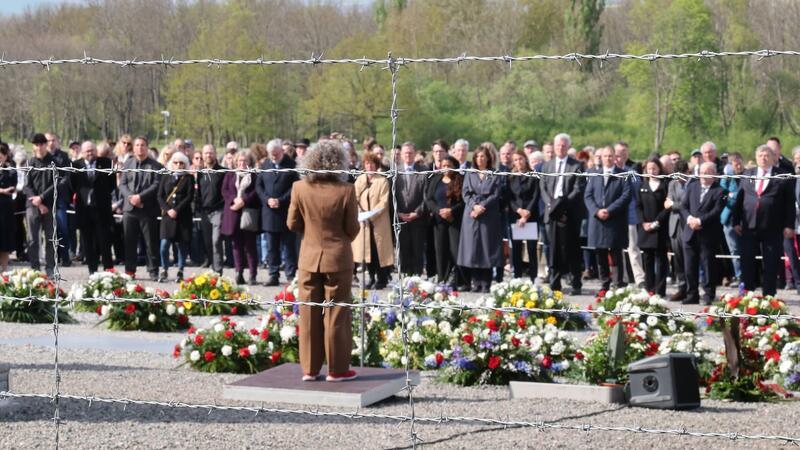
x: 283, y: 384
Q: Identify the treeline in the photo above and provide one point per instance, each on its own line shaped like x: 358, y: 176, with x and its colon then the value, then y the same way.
x: 661, y: 105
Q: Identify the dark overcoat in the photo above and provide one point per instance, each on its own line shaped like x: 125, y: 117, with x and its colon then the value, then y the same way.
x: 614, y: 196
x: 481, y: 241
x: 180, y: 228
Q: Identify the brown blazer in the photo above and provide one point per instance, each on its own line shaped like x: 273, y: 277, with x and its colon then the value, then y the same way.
x: 374, y: 197
x: 326, y: 213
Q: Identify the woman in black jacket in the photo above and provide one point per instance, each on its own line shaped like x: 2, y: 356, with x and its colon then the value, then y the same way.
x: 524, y: 208
x: 175, y: 195
x: 443, y: 199
x: 653, y: 236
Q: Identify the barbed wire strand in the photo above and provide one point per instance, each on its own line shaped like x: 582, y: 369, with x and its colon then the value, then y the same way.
x: 443, y: 419
x: 57, y: 278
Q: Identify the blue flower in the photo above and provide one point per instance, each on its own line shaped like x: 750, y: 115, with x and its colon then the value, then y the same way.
x: 277, y: 316
x: 522, y: 366
x: 296, y: 309
x: 494, y: 337
x: 463, y: 364
x: 430, y: 362
x: 391, y: 317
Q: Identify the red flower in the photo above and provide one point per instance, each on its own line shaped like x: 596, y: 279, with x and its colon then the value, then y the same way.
x: 189, y: 280
x: 652, y: 349
x: 138, y: 289
x: 289, y: 297
x: 772, y: 354
x: 225, y: 318
x: 209, y: 356
x: 492, y: 325
x: 118, y: 292
x: 232, y: 324
x: 468, y: 338
x: 709, y: 320
x: 192, y: 329
x: 515, y: 342
x: 601, y: 294
x: 276, y: 356
x: 244, y: 352
x: 111, y: 270
x: 253, y: 331
x: 472, y: 319
x: 212, y: 282
x: 547, y: 362
x: 99, y: 310
x: 198, y: 339
x: 521, y: 323
x: 751, y: 310
x: 176, y: 352
x: 439, y: 359
x: 734, y: 302
x: 776, y: 337
x: 228, y: 334
x: 131, y: 308
x: 234, y: 310
x: 264, y: 334
x: 51, y: 291
x: 611, y: 322
x: 192, y: 297
x: 494, y: 362
x: 775, y: 304
x: 579, y: 356
x: 183, y: 319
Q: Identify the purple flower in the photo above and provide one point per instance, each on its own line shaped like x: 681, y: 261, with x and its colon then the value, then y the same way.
x: 391, y: 317
x: 522, y: 366
x: 296, y: 309
x: 793, y: 379
x: 463, y: 364
x: 277, y: 316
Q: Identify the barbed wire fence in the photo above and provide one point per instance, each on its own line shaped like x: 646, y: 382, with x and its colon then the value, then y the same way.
x: 392, y: 65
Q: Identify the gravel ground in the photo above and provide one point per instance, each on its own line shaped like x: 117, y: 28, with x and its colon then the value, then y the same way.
x: 156, y: 376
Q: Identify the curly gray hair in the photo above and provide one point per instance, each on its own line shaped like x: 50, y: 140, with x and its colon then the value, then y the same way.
x: 325, y: 155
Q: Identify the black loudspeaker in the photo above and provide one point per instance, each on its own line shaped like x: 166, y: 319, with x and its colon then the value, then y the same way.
x: 664, y: 381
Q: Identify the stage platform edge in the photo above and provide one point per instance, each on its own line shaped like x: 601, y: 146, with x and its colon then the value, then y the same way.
x: 283, y: 384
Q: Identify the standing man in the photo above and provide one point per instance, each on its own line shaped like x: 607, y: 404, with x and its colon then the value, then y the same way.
x: 731, y: 188
x: 93, y: 205
x: 38, y: 213
x: 708, y: 153
x: 563, y: 198
x: 411, y: 211
x: 530, y: 146
x: 140, y: 209
x: 636, y: 270
x: 61, y: 159
x: 674, y: 201
x: 781, y: 162
x: 459, y: 152
x: 702, y: 206
x: 764, y: 215
x: 208, y: 204
x: 606, y: 200
x: 275, y: 190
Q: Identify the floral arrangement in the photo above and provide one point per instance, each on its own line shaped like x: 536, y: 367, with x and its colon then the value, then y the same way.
x: 23, y: 284
x: 497, y: 348
x: 376, y: 326
x: 747, y: 303
x: 688, y: 342
x: 213, y: 289
x: 594, y: 363
x: 635, y: 304
x: 522, y: 293
x: 230, y: 347
x: 418, y: 292
x: 283, y: 323
x: 425, y: 334
x: 99, y: 285
x: 789, y: 366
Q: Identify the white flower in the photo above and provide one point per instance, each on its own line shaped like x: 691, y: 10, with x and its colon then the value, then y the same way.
x: 184, y: 342
x: 785, y: 366
x: 549, y: 303
x: 131, y: 288
x: 151, y: 318
x: 652, y: 320
x: 227, y: 350
x: 219, y: 327
x: 536, y: 343
x: 181, y: 310
x: 403, y: 360
x: 417, y: 337
x: 288, y: 332
x: 428, y: 287
x: 438, y: 296
x: 104, y: 310
x: 194, y: 356
x: 557, y: 348
x: 445, y: 328
x: 252, y: 348
x: 430, y: 323
x: 171, y: 310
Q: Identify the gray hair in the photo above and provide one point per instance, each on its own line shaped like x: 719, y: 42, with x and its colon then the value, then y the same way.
x: 710, y: 144
x: 274, y: 144
x: 795, y: 151
x: 709, y: 164
x: 325, y: 155
x: 179, y: 157
x: 563, y: 136
x: 463, y: 142
x: 763, y: 148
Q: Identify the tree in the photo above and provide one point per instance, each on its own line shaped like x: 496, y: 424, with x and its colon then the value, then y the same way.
x: 582, y: 27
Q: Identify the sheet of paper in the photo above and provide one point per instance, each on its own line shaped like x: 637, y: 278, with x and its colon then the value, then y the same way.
x: 530, y: 232
x: 366, y: 215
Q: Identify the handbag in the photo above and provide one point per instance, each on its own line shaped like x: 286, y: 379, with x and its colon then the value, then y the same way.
x: 249, y: 219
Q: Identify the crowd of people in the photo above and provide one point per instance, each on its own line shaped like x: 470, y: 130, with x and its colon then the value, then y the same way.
x: 620, y: 221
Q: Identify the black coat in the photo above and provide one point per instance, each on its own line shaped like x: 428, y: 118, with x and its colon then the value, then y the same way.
x: 457, y: 209
x: 650, y: 208
x: 276, y: 185
x: 39, y: 182
x: 771, y: 213
x: 571, y: 202
x: 208, y: 195
x: 523, y: 192
x: 614, y: 196
x: 708, y: 211
x: 147, y: 183
x: 180, y: 228
x: 93, y: 194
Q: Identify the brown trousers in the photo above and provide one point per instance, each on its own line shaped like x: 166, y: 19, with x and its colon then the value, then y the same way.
x: 330, y: 333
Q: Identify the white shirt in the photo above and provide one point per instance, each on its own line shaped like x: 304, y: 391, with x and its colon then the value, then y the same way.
x: 764, y: 183
x: 561, y: 164
x: 654, y: 183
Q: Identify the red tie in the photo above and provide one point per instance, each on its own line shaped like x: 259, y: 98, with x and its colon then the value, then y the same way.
x: 760, y: 187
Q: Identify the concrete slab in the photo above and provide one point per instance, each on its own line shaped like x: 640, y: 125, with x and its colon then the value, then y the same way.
x: 601, y: 394
x: 5, y: 384
x: 97, y: 342
x: 283, y: 384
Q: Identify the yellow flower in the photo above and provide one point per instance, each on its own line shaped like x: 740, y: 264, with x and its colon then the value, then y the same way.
x: 201, y: 280
x: 214, y: 294
x: 188, y: 305
x: 551, y: 320
x: 515, y: 297
x: 226, y: 287
x: 558, y: 295
x: 530, y: 304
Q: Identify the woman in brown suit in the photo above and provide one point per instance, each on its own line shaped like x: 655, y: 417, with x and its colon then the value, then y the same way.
x: 373, y: 192
x: 324, y: 211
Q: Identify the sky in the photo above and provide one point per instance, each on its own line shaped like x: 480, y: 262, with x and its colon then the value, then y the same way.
x: 8, y: 7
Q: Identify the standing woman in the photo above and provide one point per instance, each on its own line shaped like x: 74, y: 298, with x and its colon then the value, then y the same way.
x: 8, y: 185
x: 653, y: 235
x: 524, y: 209
x: 239, y: 192
x: 372, y: 192
x: 481, y: 242
x: 443, y: 196
x: 175, y: 195
x: 324, y: 210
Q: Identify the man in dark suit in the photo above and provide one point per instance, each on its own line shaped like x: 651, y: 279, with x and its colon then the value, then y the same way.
x: 208, y: 204
x: 563, y: 198
x: 411, y: 211
x: 39, y: 194
x: 275, y: 190
x: 781, y: 164
x: 701, y: 208
x: 140, y: 209
x: 460, y: 151
x: 764, y: 215
x: 606, y: 200
x: 93, y: 190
